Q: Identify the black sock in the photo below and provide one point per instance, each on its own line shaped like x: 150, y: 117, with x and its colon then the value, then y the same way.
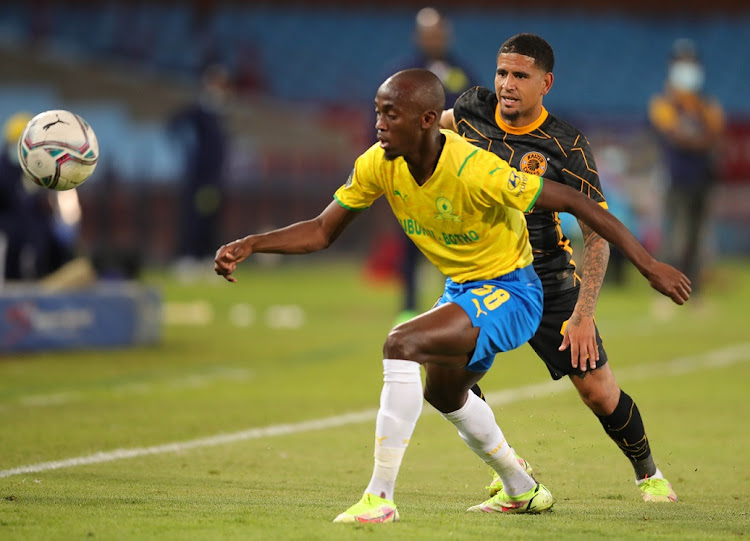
x: 625, y: 427
x: 477, y: 391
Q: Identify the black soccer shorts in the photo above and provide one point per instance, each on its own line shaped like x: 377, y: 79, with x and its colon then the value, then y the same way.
x: 558, y: 308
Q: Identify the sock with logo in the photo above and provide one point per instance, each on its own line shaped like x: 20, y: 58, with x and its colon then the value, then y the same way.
x: 477, y: 427
x: 625, y: 427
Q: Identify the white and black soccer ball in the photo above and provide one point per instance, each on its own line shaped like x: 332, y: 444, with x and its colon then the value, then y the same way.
x: 58, y: 150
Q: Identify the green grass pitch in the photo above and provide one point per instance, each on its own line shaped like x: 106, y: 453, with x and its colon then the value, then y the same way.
x: 254, y: 419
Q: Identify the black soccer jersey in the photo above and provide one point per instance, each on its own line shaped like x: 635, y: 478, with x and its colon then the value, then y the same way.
x: 549, y: 147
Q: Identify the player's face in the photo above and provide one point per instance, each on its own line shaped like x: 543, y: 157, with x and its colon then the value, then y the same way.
x: 398, y: 127
x: 520, y: 87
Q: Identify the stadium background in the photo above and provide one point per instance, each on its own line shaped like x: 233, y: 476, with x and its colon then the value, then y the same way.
x: 252, y: 416
x: 314, y: 67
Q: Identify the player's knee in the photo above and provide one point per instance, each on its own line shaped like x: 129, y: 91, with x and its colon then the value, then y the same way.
x: 401, y: 344
x: 599, y: 399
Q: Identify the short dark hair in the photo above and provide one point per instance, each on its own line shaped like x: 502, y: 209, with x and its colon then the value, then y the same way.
x: 533, y: 46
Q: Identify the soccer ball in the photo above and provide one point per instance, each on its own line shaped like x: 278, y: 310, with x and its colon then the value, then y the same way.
x: 58, y: 150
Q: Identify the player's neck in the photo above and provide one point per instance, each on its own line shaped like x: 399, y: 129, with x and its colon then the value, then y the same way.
x: 423, y: 165
x: 524, y: 124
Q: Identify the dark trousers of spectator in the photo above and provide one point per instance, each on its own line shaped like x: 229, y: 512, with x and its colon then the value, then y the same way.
x: 687, y: 222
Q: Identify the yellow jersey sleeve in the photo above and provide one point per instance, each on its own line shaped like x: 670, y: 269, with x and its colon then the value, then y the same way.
x: 363, y: 186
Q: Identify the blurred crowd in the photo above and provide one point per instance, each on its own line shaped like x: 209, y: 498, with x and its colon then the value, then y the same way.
x: 252, y: 119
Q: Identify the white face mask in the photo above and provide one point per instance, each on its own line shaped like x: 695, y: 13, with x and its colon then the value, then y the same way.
x: 686, y: 76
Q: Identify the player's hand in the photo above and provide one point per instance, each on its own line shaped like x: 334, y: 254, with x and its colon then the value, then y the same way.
x: 229, y: 256
x: 580, y: 337
x: 669, y: 281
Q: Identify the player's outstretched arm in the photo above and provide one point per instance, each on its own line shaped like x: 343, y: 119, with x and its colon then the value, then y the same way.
x: 662, y: 277
x: 299, y: 238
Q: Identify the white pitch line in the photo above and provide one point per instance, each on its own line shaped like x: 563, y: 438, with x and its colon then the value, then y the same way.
x: 712, y: 359
x: 219, y: 439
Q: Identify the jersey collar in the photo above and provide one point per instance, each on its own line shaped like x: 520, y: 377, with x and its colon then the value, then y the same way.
x: 523, y: 129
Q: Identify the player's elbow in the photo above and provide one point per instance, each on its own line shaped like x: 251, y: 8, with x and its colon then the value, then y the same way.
x: 323, y: 237
x: 319, y: 241
x: 325, y: 243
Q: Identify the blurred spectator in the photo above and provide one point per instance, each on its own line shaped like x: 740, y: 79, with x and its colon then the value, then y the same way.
x: 689, y: 125
x: 13, y: 199
x: 250, y: 80
x: 433, y: 37
x: 38, y: 227
x: 200, y: 131
x: 613, y: 162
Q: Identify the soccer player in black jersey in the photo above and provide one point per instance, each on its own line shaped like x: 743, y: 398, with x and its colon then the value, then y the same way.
x: 513, y: 123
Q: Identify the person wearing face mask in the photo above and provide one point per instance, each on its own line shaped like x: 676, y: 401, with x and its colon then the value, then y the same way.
x: 689, y: 125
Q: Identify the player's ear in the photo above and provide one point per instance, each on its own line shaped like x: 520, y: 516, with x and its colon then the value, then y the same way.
x: 429, y: 118
x: 549, y: 78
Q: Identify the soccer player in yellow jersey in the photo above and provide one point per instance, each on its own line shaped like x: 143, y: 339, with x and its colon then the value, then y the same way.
x: 463, y: 207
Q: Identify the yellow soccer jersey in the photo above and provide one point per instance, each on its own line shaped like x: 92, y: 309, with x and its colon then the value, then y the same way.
x: 467, y: 218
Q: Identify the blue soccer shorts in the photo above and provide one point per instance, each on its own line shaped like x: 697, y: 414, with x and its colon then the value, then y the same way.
x: 506, y: 309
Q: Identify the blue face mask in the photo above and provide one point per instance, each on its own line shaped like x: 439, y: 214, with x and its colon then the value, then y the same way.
x: 686, y: 76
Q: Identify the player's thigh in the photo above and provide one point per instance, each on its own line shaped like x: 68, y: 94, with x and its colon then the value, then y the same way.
x: 549, y: 335
x: 506, y: 311
x: 443, y: 335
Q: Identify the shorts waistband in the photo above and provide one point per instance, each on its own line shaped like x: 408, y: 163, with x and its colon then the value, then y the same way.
x: 518, y: 275
x: 524, y: 273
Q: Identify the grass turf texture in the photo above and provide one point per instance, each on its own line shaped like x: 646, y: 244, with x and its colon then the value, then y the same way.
x: 219, y: 378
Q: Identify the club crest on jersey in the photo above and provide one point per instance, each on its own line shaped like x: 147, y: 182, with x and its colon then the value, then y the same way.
x: 445, y: 210
x: 534, y: 163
